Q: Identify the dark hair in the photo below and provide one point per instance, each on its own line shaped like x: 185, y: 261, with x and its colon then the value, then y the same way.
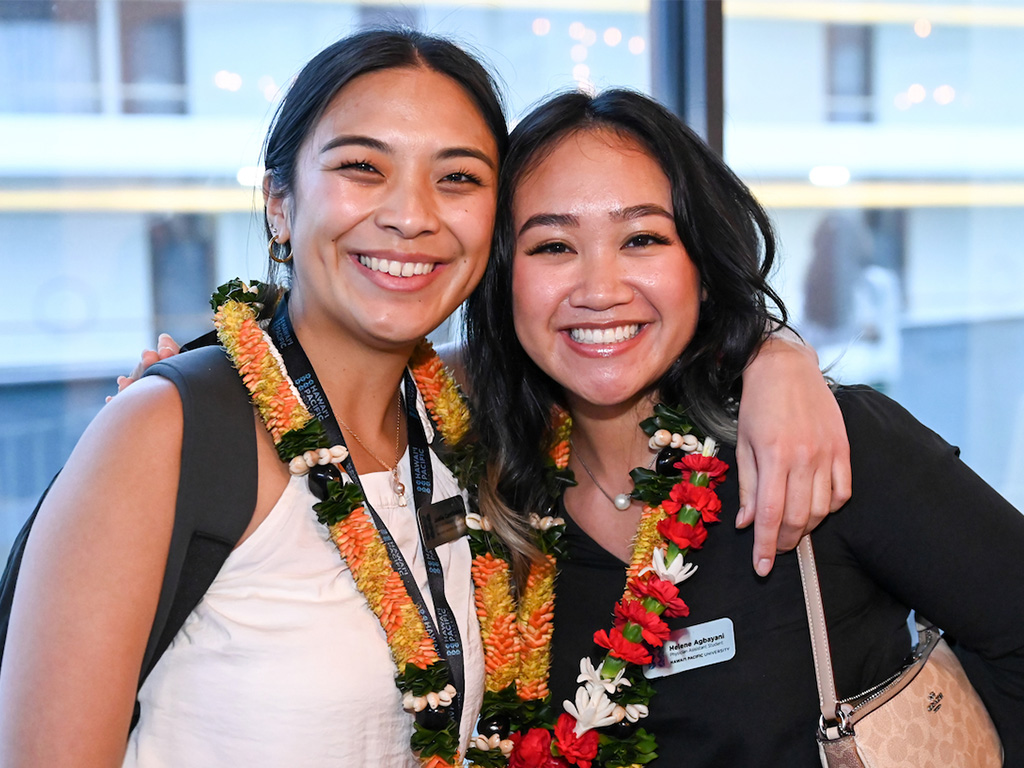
x: 359, y: 54
x: 726, y: 234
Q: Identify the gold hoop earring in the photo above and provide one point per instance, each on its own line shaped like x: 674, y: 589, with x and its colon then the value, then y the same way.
x: 270, y: 250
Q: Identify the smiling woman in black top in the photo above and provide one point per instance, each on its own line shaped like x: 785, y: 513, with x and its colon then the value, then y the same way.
x: 632, y: 270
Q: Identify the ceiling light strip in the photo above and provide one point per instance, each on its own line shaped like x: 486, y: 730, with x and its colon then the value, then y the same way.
x: 959, y: 15
x: 890, y: 195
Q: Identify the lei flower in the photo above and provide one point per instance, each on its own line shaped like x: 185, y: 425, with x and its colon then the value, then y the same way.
x: 533, y: 750
x: 711, y: 466
x: 697, y: 496
x: 652, y: 628
x: 600, y: 727
x: 517, y: 726
x: 614, y: 697
x: 577, y: 750
x: 683, y: 535
x: 660, y: 591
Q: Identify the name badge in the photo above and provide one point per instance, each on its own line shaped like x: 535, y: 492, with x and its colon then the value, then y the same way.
x: 691, y: 647
x: 442, y: 521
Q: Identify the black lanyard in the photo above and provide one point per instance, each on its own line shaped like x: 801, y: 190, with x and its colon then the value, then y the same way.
x: 445, y: 632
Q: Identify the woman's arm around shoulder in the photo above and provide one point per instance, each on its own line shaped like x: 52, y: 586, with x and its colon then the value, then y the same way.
x: 89, y: 585
x: 792, y: 452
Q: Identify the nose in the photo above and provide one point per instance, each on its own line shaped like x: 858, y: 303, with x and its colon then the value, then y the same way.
x: 409, y: 207
x: 600, y: 283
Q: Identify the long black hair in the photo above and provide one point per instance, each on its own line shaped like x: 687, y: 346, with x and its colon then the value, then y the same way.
x: 359, y: 54
x: 727, y: 235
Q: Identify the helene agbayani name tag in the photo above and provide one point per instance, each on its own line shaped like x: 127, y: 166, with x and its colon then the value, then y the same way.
x: 691, y: 647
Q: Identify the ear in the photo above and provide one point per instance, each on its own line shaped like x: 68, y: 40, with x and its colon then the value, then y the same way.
x: 278, y: 209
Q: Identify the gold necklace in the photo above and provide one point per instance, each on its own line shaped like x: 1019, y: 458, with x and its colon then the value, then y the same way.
x: 396, y: 483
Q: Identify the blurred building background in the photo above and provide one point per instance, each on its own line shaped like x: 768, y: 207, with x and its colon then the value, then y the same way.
x: 884, y: 137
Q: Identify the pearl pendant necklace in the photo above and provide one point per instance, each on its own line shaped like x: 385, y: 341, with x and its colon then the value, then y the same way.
x: 621, y: 501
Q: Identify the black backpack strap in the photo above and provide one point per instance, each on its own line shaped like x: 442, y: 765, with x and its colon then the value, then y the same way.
x: 216, y: 488
x: 10, y: 577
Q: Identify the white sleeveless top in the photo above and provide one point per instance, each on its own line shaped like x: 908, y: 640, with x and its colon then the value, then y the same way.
x: 283, y: 664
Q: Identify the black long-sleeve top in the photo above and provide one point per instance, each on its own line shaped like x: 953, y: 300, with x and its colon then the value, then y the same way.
x: 921, y: 531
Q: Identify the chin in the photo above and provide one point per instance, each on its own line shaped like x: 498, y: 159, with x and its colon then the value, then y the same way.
x: 400, y: 340
x: 607, y: 395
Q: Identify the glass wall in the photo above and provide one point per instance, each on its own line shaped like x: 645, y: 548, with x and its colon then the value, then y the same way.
x: 883, y: 136
x: 885, y: 139
x: 132, y: 133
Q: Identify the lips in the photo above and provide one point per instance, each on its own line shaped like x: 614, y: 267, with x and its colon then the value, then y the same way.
x: 604, y: 336
x: 396, y: 268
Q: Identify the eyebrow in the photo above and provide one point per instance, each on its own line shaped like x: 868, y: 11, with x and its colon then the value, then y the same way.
x: 639, y: 211
x: 346, y: 140
x: 549, y: 220
x: 619, y: 214
x: 380, y: 146
x: 454, y: 152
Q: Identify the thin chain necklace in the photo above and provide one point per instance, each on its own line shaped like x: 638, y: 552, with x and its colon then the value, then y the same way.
x: 621, y: 501
x: 396, y: 482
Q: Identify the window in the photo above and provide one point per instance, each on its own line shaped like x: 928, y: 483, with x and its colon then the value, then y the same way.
x: 49, y: 57
x: 132, y: 136
x: 181, y: 258
x: 87, y: 56
x: 896, y: 183
x: 152, y: 57
x: 849, y: 51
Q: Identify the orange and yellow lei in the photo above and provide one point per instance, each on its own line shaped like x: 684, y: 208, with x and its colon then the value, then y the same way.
x: 516, y: 637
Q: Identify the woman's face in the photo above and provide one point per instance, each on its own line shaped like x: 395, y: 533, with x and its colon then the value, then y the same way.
x: 392, y: 207
x: 605, y: 297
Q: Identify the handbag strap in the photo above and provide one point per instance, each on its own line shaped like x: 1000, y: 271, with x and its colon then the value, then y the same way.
x: 827, y: 699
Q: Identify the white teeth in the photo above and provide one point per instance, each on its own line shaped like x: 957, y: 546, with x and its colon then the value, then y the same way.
x: 604, y: 335
x: 396, y: 268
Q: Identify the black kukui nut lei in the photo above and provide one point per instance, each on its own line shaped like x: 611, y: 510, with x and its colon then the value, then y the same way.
x: 433, y: 719
x: 319, y: 476
x: 622, y: 729
x: 499, y: 724
x: 665, y: 464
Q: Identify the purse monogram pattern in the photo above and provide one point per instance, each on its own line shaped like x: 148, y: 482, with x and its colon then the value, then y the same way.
x: 927, y: 716
x: 937, y: 721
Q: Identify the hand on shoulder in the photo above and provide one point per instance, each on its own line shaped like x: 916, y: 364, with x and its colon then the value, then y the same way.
x: 165, y: 347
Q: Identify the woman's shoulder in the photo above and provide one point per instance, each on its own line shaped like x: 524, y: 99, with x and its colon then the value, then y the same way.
x: 149, y: 410
x: 898, y: 466
x: 881, y: 428
x: 92, y: 570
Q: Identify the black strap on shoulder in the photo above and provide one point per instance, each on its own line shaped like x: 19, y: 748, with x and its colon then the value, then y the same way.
x: 10, y: 577
x: 216, y: 488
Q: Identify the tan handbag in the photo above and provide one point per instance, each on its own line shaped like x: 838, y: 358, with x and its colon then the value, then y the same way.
x: 927, y: 714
